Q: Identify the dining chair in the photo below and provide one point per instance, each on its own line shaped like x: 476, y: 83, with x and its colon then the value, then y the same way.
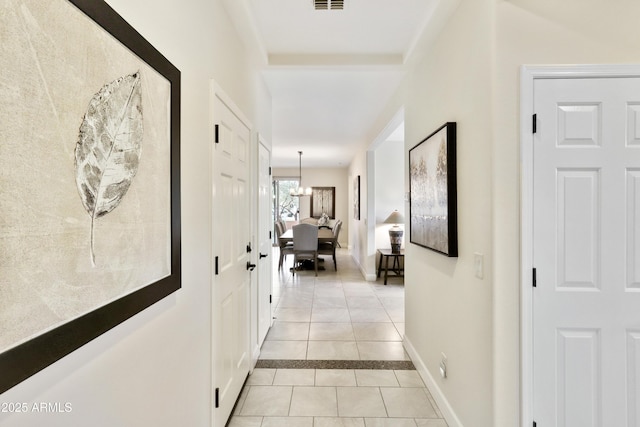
x: 305, y: 245
x: 337, y: 223
x: 329, y: 248
x: 286, y: 248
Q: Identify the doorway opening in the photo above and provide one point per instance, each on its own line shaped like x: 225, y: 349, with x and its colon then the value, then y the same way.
x: 386, y: 176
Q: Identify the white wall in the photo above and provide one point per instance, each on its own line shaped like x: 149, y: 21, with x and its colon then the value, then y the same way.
x: 324, y: 177
x: 362, y: 252
x: 469, y: 73
x: 536, y: 32
x: 389, y: 188
x: 155, y: 369
x: 448, y: 309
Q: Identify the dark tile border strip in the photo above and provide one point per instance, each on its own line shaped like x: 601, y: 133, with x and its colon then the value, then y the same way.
x: 405, y: 365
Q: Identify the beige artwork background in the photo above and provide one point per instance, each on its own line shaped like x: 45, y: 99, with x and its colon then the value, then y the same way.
x: 53, y: 60
x: 429, y: 197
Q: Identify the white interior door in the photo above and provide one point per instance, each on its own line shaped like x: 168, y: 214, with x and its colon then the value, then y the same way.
x: 231, y: 234
x: 265, y: 230
x: 586, y: 252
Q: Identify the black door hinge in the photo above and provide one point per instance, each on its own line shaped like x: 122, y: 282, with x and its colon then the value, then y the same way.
x: 534, y: 424
x: 216, y: 137
x: 217, y: 399
x: 269, y: 170
x: 535, y: 278
x: 270, y: 299
x: 216, y: 266
x: 535, y: 123
x: 270, y: 236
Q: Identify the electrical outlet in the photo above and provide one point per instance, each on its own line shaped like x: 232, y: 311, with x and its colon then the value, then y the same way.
x: 443, y: 366
x: 478, y: 265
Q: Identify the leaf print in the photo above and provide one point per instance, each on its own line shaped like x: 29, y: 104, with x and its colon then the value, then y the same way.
x: 109, y: 146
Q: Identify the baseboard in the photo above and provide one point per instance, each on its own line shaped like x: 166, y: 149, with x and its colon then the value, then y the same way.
x: 357, y: 261
x: 442, y: 402
x: 367, y: 276
x: 254, y: 358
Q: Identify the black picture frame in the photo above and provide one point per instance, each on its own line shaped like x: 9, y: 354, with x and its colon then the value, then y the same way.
x: 356, y: 198
x: 26, y: 359
x: 433, y: 208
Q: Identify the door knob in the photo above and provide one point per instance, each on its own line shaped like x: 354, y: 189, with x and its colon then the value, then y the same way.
x: 263, y: 255
x: 250, y: 266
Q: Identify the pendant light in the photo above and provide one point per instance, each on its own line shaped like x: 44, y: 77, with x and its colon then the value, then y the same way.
x: 300, y: 191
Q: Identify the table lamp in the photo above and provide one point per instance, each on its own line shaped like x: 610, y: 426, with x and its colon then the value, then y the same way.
x: 395, y: 232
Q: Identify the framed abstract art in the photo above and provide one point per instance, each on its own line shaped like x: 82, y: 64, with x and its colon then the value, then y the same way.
x: 432, y: 185
x: 323, y: 200
x: 356, y: 197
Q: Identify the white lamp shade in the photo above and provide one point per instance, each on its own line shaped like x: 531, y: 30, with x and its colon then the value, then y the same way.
x: 395, y: 218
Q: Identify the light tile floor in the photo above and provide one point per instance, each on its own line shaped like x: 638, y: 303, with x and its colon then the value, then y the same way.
x: 336, y: 316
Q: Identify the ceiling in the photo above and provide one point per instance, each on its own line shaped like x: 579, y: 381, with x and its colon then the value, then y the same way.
x: 330, y: 72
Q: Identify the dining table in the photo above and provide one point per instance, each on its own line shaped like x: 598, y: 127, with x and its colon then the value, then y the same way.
x: 325, y: 235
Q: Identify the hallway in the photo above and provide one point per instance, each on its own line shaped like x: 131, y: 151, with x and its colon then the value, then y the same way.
x: 334, y: 356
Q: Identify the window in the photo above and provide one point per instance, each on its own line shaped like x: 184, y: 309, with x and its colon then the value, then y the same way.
x: 285, y: 206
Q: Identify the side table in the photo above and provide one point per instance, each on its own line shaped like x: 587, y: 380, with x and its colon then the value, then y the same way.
x: 397, y: 267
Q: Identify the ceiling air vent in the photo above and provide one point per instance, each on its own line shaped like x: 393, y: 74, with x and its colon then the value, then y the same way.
x: 329, y: 4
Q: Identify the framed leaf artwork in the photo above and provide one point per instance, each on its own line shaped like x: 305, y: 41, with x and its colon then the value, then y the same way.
x: 89, y: 179
x: 433, y: 198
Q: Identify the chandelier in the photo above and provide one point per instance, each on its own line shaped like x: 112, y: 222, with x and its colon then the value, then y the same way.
x: 300, y: 191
